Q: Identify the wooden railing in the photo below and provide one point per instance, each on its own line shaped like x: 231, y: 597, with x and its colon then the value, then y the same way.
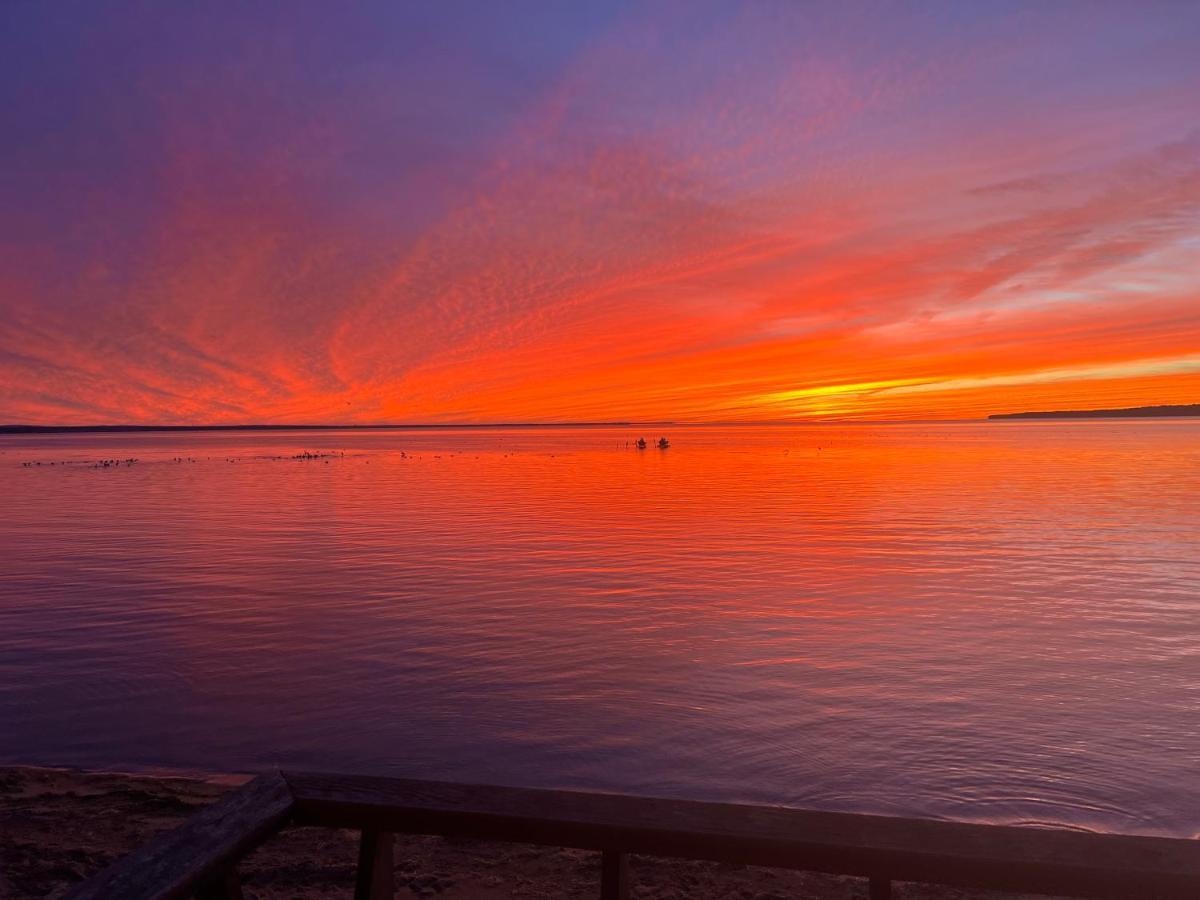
x: 200, y: 857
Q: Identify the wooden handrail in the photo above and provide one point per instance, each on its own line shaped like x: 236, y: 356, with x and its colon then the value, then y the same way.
x: 199, y: 856
x: 201, y: 853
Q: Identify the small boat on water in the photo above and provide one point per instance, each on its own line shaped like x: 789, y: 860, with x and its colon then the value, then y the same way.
x: 663, y: 443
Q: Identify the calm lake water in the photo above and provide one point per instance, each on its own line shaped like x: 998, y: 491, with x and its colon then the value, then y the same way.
x: 991, y: 622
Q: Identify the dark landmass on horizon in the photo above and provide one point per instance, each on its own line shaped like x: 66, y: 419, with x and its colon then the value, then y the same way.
x: 117, y: 429
x: 1133, y: 412
x: 1148, y: 412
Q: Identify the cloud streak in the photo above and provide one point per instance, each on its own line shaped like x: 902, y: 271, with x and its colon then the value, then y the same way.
x: 668, y: 213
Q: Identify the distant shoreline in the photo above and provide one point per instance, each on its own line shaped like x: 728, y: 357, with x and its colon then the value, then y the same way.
x: 1132, y: 412
x: 1146, y: 412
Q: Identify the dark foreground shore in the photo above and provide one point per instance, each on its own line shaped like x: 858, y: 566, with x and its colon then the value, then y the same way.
x: 59, y: 826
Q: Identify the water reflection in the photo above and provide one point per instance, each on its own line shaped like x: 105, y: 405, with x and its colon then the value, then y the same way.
x: 995, y: 622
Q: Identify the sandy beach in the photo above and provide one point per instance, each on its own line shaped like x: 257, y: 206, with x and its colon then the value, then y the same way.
x: 59, y: 826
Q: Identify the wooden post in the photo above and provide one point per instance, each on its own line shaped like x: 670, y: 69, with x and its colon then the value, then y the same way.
x: 614, y: 875
x: 881, y: 888
x: 375, y: 879
x: 226, y: 886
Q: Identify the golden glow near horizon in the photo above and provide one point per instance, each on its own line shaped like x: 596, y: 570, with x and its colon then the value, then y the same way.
x: 576, y: 216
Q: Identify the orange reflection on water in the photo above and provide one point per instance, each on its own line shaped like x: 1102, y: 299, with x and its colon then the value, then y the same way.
x: 984, y: 621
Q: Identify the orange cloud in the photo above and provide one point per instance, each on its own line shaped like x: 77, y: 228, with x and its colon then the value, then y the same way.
x: 845, y: 218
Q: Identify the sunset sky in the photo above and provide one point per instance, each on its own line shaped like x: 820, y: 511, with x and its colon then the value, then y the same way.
x: 434, y: 212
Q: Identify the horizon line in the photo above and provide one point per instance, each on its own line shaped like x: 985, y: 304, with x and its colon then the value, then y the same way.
x: 1155, y: 411
x: 22, y: 428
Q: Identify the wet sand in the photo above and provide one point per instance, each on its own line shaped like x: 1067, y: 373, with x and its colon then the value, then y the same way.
x: 59, y: 826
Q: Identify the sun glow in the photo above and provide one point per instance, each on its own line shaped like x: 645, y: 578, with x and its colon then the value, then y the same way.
x: 586, y: 220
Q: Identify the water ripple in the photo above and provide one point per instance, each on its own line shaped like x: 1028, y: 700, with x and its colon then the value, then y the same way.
x: 979, y: 622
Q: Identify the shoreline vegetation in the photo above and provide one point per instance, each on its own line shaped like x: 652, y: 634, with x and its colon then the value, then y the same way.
x: 60, y: 826
x: 1132, y: 412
